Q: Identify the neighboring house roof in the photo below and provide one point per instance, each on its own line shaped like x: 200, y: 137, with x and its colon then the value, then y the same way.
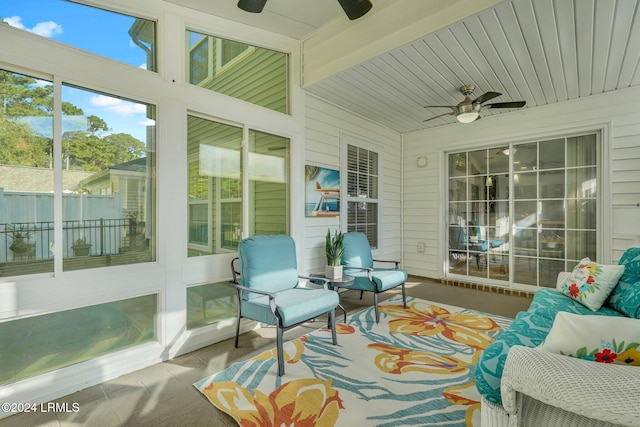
x: 137, y: 165
x: 40, y: 180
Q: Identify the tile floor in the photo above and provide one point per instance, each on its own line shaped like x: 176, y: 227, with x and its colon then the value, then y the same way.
x: 163, y: 394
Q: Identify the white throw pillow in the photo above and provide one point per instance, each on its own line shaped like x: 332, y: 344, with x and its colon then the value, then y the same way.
x: 591, y: 283
x: 604, y: 339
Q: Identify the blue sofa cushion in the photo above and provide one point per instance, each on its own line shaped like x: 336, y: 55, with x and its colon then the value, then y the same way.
x: 626, y: 295
x: 527, y: 329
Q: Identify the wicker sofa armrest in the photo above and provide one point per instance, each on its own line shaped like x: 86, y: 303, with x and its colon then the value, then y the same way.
x: 605, y: 392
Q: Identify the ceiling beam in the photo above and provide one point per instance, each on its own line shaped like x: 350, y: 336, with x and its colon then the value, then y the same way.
x: 341, y: 44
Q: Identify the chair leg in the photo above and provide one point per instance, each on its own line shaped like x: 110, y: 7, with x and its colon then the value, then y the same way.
x: 280, y: 352
x: 361, y: 294
x: 237, y: 329
x: 404, y: 297
x: 332, y: 321
x: 375, y: 306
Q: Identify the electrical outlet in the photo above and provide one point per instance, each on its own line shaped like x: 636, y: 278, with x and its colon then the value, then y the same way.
x: 421, y: 246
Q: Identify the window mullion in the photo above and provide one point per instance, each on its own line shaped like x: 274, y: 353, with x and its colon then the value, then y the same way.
x: 57, y: 176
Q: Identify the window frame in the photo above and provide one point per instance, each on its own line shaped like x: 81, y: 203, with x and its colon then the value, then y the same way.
x: 349, y: 140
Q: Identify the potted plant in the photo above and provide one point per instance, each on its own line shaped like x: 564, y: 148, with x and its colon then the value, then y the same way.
x: 20, y: 240
x: 81, y: 247
x: 334, y: 250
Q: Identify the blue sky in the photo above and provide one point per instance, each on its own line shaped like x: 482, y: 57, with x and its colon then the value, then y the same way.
x: 95, y: 30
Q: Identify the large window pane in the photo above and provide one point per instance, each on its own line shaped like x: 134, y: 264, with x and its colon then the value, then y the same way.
x: 26, y: 175
x: 245, y: 72
x: 213, y: 151
x: 268, y: 183
x: 108, y: 212
x: 116, y: 36
x: 216, y: 196
x: 554, y: 204
x: 35, y: 345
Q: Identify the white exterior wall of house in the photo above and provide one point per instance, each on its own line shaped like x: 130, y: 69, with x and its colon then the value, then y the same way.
x: 327, y: 128
x: 617, y: 114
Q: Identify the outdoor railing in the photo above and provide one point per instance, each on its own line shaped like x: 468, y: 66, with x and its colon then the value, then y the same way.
x: 105, y: 237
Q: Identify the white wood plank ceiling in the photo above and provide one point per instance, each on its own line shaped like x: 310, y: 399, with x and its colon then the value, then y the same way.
x: 540, y: 51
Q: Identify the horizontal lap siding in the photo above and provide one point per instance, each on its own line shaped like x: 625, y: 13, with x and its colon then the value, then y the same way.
x: 324, y: 124
x: 424, y: 213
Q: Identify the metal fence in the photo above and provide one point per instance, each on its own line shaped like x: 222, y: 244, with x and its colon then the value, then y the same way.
x: 35, y: 240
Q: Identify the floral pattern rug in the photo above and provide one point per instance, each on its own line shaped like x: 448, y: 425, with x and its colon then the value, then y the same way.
x: 416, y: 367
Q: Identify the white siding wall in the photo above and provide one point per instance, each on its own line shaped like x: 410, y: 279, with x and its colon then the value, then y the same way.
x: 325, y: 125
x: 616, y: 113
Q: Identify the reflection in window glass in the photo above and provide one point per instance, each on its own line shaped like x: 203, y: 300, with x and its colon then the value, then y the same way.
x: 26, y: 175
x: 116, y: 36
x: 210, y: 303
x: 108, y: 210
x: 39, y: 344
x: 554, y: 202
x: 216, y: 195
x: 236, y: 69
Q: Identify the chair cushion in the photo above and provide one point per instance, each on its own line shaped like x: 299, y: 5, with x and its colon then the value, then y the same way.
x: 267, y: 263
x: 357, y: 252
x: 293, y: 305
x: 548, y: 302
x: 626, y: 295
x: 384, y: 278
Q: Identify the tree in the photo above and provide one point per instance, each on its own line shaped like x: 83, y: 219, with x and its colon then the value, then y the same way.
x: 26, y: 118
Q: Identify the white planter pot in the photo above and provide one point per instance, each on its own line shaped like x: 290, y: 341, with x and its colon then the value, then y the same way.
x: 333, y: 272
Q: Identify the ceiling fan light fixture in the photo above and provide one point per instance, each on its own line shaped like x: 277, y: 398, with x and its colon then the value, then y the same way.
x: 253, y: 6
x: 355, y: 8
x: 467, y: 117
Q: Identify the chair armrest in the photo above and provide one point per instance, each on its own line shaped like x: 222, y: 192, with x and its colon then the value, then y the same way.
x: 605, y: 392
x: 359, y: 268
x: 271, y: 295
x: 397, y: 263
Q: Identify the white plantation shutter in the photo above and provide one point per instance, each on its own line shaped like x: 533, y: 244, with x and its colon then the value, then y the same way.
x: 362, y: 192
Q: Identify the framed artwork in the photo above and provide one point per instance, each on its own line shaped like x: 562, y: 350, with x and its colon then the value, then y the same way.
x: 322, y: 192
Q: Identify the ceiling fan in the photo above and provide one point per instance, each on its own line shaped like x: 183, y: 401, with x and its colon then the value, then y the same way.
x: 354, y: 9
x: 468, y: 110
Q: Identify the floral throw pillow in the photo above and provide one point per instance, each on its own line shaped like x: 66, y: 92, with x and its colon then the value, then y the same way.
x: 591, y: 283
x: 604, y: 339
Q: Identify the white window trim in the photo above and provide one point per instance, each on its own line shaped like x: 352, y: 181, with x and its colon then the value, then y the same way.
x: 346, y: 140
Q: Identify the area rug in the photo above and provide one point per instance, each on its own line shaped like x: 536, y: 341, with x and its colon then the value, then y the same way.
x: 414, y: 368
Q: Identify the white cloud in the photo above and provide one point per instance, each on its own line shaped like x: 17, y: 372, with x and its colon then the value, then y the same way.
x: 148, y: 122
x: 118, y: 106
x: 14, y: 21
x: 45, y: 29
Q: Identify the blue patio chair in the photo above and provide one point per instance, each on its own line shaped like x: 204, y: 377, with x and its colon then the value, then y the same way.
x: 358, y: 262
x: 267, y: 288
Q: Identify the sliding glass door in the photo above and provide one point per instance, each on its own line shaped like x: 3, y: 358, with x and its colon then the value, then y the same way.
x: 520, y: 213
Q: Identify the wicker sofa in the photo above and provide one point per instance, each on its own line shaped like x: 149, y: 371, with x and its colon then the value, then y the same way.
x: 522, y: 383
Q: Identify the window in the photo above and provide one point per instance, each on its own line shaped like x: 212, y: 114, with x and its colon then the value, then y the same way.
x: 523, y: 212
x: 218, y: 201
x: 39, y: 344
x: 362, y: 192
x: 116, y: 36
x: 107, y: 179
x: 249, y: 73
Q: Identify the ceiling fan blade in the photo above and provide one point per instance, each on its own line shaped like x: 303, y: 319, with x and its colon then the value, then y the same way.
x: 485, y: 97
x: 439, y: 106
x: 514, y: 104
x: 441, y: 115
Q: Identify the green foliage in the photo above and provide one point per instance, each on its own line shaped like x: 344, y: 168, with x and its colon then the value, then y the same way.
x: 23, y: 100
x: 334, y: 248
